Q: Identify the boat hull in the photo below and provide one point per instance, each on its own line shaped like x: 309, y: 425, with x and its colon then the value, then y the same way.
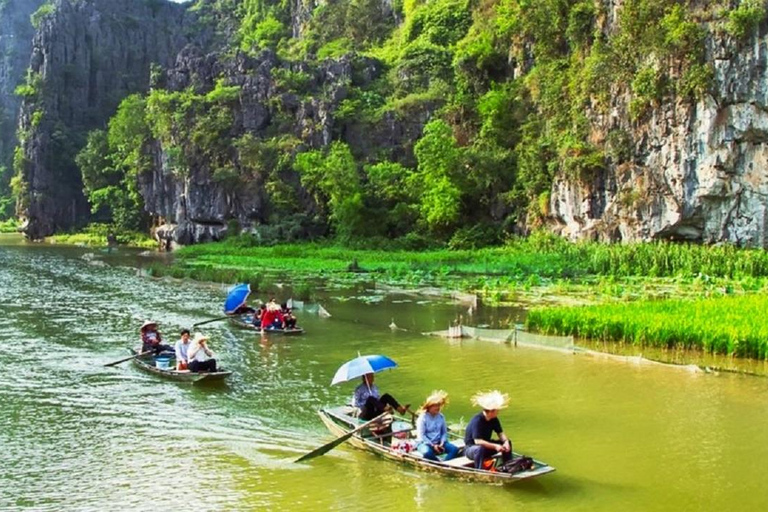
x: 181, y: 376
x: 338, y: 423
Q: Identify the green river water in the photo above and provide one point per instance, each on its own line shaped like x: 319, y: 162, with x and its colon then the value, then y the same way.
x: 75, y: 435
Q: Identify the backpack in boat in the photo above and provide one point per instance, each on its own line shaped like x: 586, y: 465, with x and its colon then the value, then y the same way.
x: 517, y: 465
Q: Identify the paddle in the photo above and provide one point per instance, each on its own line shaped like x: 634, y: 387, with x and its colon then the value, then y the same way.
x: 129, y: 358
x: 336, y: 442
x: 209, y: 321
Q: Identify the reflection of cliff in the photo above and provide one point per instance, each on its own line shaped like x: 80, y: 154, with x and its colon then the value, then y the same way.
x: 87, y: 56
x: 15, y: 45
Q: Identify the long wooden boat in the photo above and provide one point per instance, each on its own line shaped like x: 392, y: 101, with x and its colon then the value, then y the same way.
x: 339, y: 421
x: 147, y: 363
x: 246, y: 321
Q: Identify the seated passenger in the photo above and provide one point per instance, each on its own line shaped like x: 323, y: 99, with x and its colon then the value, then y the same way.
x: 200, y: 356
x: 272, y: 318
x: 182, y: 349
x: 151, y: 341
x: 259, y: 315
x: 370, y: 403
x: 288, y: 318
x: 431, y: 429
x: 477, y: 437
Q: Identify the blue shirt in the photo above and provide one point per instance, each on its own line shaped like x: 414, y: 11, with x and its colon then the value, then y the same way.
x: 431, y: 429
x: 362, y: 392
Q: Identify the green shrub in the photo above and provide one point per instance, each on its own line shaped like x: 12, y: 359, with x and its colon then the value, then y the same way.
x: 745, y: 19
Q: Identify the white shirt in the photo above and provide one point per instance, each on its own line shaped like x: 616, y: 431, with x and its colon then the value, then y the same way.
x: 197, y: 353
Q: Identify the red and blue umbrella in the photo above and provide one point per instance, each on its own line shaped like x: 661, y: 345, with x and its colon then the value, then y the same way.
x: 362, y: 365
x: 236, y: 297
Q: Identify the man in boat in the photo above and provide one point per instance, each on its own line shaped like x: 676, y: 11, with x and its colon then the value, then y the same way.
x: 431, y: 429
x: 370, y: 403
x: 151, y: 341
x: 200, y: 356
x: 477, y: 437
x: 182, y: 351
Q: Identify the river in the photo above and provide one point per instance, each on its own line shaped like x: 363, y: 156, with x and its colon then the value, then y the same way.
x: 75, y: 435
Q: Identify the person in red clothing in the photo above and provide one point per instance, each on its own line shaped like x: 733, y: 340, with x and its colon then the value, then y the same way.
x: 272, y: 318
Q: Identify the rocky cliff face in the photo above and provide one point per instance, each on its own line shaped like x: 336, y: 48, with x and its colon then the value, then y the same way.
x: 16, y: 33
x: 694, y: 172
x: 196, y: 208
x: 86, y: 56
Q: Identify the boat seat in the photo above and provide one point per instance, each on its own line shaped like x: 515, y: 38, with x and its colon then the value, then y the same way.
x: 459, y: 462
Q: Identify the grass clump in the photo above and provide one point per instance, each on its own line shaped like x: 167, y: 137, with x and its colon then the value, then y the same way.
x: 720, y: 325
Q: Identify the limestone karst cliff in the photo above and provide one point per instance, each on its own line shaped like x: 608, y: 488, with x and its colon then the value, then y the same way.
x: 620, y: 121
x: 86, y: 56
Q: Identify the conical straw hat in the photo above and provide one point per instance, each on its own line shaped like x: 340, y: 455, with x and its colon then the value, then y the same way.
x: 438, y: 397
x: 491, y: 400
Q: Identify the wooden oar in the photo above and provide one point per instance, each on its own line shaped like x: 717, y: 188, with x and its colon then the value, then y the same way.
x: 134, y: 356
x: 336, y: 442
x: 209, y: 321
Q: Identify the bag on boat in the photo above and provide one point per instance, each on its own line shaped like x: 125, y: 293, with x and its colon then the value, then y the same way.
x: 517, y: 465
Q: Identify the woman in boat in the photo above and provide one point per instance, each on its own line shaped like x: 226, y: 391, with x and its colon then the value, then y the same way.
x: 151, y: 341
x: 272, y: 317
x: 370, y: 403
x: 200, y: 356
x: 431, y: 429
x: 477, y: 437
x: 259, y: 315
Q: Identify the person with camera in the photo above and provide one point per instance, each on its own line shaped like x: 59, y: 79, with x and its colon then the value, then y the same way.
x: 200, y: 357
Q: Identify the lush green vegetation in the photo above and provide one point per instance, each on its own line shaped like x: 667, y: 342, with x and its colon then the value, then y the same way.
x: 538, y: 259
x: 723, y: 325
x: 9, y: 226
x: 97, y: 235
x: 491, y: 146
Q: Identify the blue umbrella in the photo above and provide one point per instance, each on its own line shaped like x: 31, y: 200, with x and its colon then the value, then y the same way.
x: 360, y: 366
x: 236, y: 297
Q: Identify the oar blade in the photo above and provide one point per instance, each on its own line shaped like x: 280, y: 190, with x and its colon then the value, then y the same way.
x: 324, y: 449
x: 336, y: 442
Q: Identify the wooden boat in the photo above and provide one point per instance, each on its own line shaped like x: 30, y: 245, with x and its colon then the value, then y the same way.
x: 147, y: 363
x: 340, y: 421
x: 246, y: 321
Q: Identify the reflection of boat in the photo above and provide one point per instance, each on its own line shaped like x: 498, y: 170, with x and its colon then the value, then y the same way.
x: 147, y: 363
x: 246, y: 321
x: 339, y: 421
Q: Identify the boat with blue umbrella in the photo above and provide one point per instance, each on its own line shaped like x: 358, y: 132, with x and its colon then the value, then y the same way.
x: 396, y: 442
x: 240, y: 314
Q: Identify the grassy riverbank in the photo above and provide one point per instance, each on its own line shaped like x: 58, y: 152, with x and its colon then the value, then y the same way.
x: 643, y: 294
x: 95, y: 235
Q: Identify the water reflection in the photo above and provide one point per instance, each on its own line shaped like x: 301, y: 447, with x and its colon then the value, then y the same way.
x: 620, y: 435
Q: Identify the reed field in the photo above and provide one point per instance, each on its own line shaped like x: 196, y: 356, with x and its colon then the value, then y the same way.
x: 720, y: 325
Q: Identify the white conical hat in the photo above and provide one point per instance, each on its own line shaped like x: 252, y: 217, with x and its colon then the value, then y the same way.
x: 146, y: 324
x: 491, y: 400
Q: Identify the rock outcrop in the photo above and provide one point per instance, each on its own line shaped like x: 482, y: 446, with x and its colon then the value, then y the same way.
x: 696, y: 172
x: 16, y: 34
x: 86, y: 57
x: 195, y: 207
